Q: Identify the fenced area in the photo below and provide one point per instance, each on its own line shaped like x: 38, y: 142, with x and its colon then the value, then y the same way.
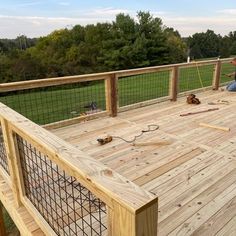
x: 52, y: 100
x: 69, y: 192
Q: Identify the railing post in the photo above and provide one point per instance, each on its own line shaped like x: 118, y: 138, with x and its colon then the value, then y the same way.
x: 111, y: 95
x: 2, y: 224
x: 12, y: 158
x: 142, y: 222
x: 174, y: 78
x: 216, y: 78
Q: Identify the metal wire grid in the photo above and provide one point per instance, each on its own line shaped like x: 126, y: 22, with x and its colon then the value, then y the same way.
x: 3, y: 154
x: 226, y: 68
x: 195, y: 77
x: 67, y: 206
x: 139, y: 88
x: 56, y: 103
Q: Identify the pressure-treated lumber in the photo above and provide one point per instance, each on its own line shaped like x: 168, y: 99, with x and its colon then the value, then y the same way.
x: 102, y: 181
x: 15, y: 86
x: 11, y: 160
x: 214, y: 127
x: 111, y: 86
x: 174, y: 78
x: 217, y: 73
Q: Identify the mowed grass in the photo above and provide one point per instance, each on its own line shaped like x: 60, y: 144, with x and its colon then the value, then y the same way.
x: 47, y: 105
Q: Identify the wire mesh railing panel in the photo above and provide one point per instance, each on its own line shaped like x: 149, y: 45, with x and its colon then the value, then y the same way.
x: 195, y: 77
x: 139, y: 88
x: 68, y: 207
x: 3, y: 154
x: 56, y: 103
x: 226, y: 68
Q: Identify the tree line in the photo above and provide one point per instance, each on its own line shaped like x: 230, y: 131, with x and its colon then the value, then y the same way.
x: 123, y: 44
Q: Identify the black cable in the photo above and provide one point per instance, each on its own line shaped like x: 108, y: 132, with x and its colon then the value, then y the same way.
x: 150, y: 129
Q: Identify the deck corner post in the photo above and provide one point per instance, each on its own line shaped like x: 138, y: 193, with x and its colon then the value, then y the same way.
x: 173, y: 87
x: 12, y: 159
x: 142, y: 222
x: 216, y: 77
x: 111, y: 95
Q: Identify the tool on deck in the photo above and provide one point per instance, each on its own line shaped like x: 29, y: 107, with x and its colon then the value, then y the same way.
x: 192, y: 99
x: 214, y: 126
x: 109, y: 138
x: 197, y: 112
x: 103, y: 141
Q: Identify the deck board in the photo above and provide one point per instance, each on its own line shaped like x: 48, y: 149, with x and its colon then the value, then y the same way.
x: 194, y: 176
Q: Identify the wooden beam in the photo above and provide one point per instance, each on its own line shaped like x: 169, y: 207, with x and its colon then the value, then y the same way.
x: 2, y: 223
x: 11, y: 160
x: 174, y: 78
x: 111, y: 95
x: 143, y: 222
x: 217, y: 74
x: 113, y: 189
x: 227, y: 129
x: 14, y: 86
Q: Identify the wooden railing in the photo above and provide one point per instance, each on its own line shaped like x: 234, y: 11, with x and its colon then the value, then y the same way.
x: 31, y: 156
x: 114, y: 91
x: 130, y: 209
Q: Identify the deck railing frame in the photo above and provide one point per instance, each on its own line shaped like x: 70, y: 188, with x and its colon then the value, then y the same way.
x: 126, y: 202
x: 138, y: 208
x: 111, y: 86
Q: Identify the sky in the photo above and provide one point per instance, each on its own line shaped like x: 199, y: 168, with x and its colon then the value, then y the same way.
x: 35, y: 18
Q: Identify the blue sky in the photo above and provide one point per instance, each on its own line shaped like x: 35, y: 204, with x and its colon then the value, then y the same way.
x: 40, y: 17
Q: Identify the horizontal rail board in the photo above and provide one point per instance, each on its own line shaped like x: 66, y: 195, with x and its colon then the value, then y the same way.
x: 15, y: 86
x: 106, y: 184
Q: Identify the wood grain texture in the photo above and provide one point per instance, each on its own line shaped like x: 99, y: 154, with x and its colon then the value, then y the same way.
x: 21, y: 217
x: 113, y: 189
x: 190, y: 176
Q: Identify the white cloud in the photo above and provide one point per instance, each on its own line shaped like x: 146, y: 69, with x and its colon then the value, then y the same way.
x: 191, y: 25
x: 228, y: 11
x: 33, y: 26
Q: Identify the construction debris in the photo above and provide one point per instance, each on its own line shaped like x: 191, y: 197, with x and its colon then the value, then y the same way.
x: 197, y: 112
x: 215, y: 127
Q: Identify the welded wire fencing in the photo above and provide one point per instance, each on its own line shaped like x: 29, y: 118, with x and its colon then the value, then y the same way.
x: 195, y: 77
x: 66, y: 205
x: 3, y: 154
x: 143, y: 87
x: 55, y: 103
x: 226, y: 68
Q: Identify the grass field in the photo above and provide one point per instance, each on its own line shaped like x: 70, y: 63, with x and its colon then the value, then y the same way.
x: 47, y: 105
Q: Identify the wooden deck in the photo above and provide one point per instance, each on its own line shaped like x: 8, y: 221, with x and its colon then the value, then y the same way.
x: 194, y: 177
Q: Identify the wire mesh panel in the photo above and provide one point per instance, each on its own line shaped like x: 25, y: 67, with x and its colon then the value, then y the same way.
x: 226, y: 68
x: 3, y: 155
x: 139, y: 88
x: 195, y: 77
x: 56, y: 103
x: 67, y: 206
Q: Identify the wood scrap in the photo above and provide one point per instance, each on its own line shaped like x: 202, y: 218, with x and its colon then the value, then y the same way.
x: 219, y: 102
x: 227, y: 129
x: 197, y: 112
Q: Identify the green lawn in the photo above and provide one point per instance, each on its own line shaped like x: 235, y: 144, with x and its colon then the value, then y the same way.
x: 63, y: 102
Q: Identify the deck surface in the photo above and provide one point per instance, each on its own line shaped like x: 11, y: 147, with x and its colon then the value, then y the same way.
x: 194, y: 176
